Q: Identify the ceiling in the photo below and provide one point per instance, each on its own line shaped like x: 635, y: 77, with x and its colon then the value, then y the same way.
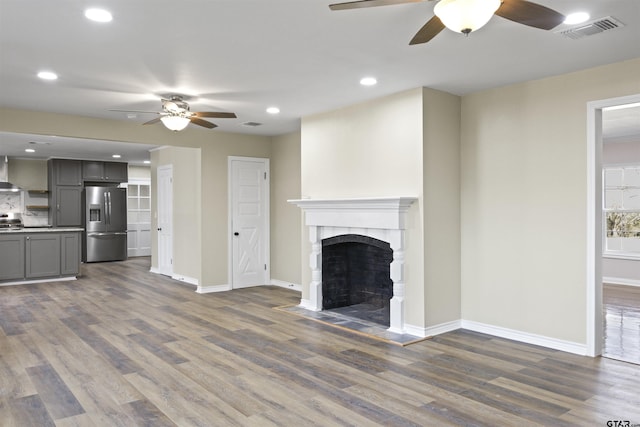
x: 246, y: 55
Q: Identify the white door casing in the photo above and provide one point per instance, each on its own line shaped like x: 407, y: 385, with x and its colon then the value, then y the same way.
x: 165, y: 220
x: 249, y: 221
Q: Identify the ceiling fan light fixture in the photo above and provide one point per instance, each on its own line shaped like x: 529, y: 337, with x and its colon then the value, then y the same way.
x: 175, y: 123
x: 465, y: 16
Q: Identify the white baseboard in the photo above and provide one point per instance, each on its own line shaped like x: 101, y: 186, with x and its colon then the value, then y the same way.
x: 430, y: 331
x: 178, y: 277
x: 543, y: 341
x: 213, y: 288
x: 27, y: 282
x: 288, y: 285
x: 621, y: 281
x: 186, y: 279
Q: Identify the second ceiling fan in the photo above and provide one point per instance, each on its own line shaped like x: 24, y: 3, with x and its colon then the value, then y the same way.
x: 465, y: 16
x: 176, y: 115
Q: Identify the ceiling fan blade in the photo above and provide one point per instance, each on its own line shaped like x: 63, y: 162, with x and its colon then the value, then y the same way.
x: 203, y: 123
x: 369, y: 3
x: 150, y: 122
x: 428, y: 31
x: 531, y: 14
x: 135, y: 111
x: 219, y: 115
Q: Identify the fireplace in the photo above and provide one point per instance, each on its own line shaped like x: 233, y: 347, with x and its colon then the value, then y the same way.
x: 376, y: 221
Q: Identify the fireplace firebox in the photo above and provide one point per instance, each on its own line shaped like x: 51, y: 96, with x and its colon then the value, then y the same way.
x: 356, y: 277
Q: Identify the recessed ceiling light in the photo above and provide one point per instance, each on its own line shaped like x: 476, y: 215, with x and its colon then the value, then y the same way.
x: 116, y: 156
x: 576, y: 18
x: 98, y: 15
x: 29, y: 150
x: 273, y: 110
x: 47, y: 75
x: 146, y: 162
x: 368, y: 81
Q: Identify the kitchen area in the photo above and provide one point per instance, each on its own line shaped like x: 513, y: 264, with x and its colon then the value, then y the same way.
x: 56, y: 214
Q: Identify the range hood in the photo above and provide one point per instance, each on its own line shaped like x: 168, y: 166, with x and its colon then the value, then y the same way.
x: 5, y: 185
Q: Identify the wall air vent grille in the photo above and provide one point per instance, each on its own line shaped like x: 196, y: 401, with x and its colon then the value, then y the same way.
x: 251, y: 124
x: 591, y: 28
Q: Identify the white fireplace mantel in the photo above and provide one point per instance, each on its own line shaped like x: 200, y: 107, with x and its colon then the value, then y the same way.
x: 382, y: 218
x: 381, y: 212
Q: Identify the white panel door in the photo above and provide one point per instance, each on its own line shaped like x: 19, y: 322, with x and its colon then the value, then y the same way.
x: 249, y: 201
x: 139, y: 217
x: 165, y: 220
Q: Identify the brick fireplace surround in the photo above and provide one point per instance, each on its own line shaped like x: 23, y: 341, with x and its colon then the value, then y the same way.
x: 381, y: 218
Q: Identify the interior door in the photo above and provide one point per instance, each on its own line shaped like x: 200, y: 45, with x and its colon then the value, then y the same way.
x: 165, y: 220
x: 249, y: 204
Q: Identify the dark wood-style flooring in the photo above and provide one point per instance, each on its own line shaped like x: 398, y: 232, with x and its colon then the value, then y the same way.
x: 123, y: 347
x: 621, y: 306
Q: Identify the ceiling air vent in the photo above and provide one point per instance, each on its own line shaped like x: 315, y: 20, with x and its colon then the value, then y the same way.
x: 591, y: 28
x: 251, y: 124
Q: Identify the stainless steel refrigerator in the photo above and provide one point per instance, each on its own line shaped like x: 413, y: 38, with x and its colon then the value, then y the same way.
x: 105, y: 222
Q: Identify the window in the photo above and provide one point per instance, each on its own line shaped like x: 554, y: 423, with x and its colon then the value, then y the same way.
x: 622, y: 212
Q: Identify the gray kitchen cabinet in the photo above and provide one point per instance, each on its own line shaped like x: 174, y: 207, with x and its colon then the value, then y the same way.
x: 42, y: 255
x: 11, y: 256
x: 69, y: 254
x: 65, y: 172
x: 68, y: 207
x: 118, y: 172
x: 65, y: 192
x: 95, y: 171
x: 39, y: 255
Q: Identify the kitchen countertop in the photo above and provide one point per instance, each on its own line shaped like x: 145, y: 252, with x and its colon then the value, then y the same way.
x: 40, y: 230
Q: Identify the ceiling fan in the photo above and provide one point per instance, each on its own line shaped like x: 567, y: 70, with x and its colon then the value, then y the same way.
x: 175, y: 115
x: 465, y: 16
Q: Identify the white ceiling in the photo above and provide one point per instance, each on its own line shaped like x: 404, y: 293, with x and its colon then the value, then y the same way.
x: 246, y: 55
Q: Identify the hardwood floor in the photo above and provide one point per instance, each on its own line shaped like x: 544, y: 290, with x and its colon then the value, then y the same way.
x: 622, y: 322
x: 123, y: 347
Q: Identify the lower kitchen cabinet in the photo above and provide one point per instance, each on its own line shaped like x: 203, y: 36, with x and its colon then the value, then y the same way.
x: 69, y: 254
x: 42, y: 255
x: 39, y: 256
x: 11, y: 257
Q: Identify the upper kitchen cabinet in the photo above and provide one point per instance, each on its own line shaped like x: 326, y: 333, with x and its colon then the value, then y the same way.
x: 65, y: 172
x: 65, y: 192
x: 95, y: 171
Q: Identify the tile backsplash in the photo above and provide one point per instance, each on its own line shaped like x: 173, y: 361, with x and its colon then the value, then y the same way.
x: 11, y: 202
x: 15, y: 203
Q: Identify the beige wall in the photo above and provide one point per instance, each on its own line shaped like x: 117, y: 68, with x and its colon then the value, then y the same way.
x: 28, y: 174
x: 286, y: 219
x: 524, y: 198
x: 441, y: 207
x: 139, y: 172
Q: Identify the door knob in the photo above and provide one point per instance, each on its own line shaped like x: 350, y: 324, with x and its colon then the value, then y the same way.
x: 159, y: 229
x: 236, y: 234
